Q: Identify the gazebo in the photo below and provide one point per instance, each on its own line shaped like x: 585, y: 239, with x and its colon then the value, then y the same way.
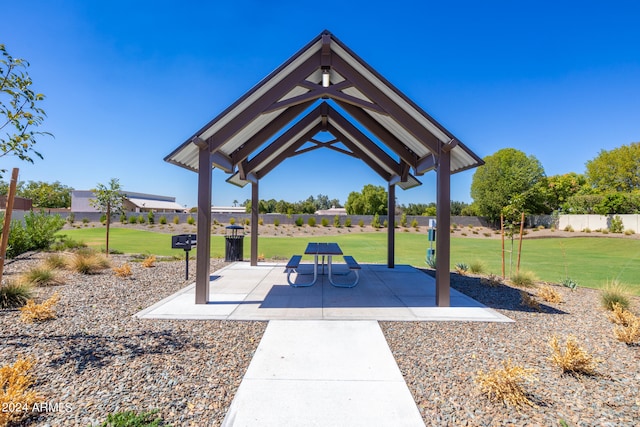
x: 324, y: 88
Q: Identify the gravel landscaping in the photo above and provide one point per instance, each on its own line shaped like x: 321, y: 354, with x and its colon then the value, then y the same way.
x: 95, y: 358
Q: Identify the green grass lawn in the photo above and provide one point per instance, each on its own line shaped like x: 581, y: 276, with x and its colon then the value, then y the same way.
x: 590, y: 261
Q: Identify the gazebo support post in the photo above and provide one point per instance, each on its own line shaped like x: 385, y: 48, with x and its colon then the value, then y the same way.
x: 203, y: 254
x: 255, y: 199
x: 391, y: 229
x: 443, y: 223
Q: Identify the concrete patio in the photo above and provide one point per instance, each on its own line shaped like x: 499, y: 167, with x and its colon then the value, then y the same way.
x: 242, y: 292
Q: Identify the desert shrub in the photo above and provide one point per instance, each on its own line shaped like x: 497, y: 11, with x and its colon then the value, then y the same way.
x: 55, y: 261
x: 191, y: 220
x: 141, y: 219
x: 477, y: 267
x: 15, y: 294
x: 38, y: 232
x: 85, y: 221
x: 548, y: 294
x: 524, y: 279
x: 604, y: 231
x: 528, y: 300
x: 491, y: 280
x: 260, y: 221
x: 375, y: 222
x: 462, y: 268
x: 123, y: 271
x: 615, y: 293
x: 87, y: 263
x: 431, y: 262
x: 71, y: 218
x: 403, y: 220
x: 336, y: 221
x: 414, y: 223
x: 276, y: 222
x: 622, y: 317
x: 232, y: 221
x: 616, y: 225
x: 568, y: 282
x: 41, y: 275
x: 123, y: 218
x: 347, y: 222
x: 628, y: 334
x: 103, y: 219
x: 133, y: 219
x: 311, y: 221
x: 299, y: 221
x: 176, y: 219
x: 247, y: 222
x: 629, y: 232
x: 506, y: 385
x: 569, y: 228
x: 571, y: 357
x: 151, y: 217
x: 33, y: 312
x: 149, y: 261
x: 385, y: 224
x: 132, y: 419
x: 361, y: 223
x: 66, y: 243
x: 15, y: 387
x: 586, y: 230
x: 163, y: 219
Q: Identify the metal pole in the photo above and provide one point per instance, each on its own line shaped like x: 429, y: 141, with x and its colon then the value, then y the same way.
x: 186, y: 273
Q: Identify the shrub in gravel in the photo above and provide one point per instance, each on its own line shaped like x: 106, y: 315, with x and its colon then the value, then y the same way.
x: 55, y: 261
x: 41, y: 276
x: 620, y: 316
x: 176, y: 219
x: 629, y: 334
x: 491, y: 280
x: 299, y: 221
x: 133, y: 219
x: 524, y: 279
x: 15, y: 294
x: 548, y: 294
x: 311, y: 221
x: 506, y: 385
x: 15, y: 391
x: 571, y: 357
x: 149, y: 261
x: 615, y: 293
x: 123, y: 271
x: 568, y: 282
x: 33, y: 312
x: 477, y: 267
x: 88, y: 263
x: 528, y: 300
x: 462, y: 268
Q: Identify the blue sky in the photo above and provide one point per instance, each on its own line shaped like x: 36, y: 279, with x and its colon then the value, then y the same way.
x: 128, y: 81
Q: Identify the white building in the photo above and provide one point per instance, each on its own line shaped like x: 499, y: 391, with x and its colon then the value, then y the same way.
x: 133, y: 202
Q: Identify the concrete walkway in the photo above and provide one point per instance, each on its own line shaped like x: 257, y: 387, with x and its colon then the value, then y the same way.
x: 323, y: 373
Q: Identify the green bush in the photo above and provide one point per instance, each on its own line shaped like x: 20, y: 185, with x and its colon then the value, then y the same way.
x: 299, y: 221
x: 361, y: 223
x: 336, y: 221
x: 151, y: 218
x: 311, y: 221
x: 191, y: 220
x: 325, y: 222
x: 276, y: 222
x: 85, y: 220
x: 123, y: 218
x: 347, y: 222
x: 615, y: 293
x: 38, y: 232
x: 176, y: 219
x: 616, y: 225
x: 103, y: 218
x: 403, y: 220
x: 14, y: 295
x: 568, y: 282
x: 477, y: 267
x: 133, y: 219
x: 414, y: 223
x: 71, y: 218
x: 524, y: 279
x: 375, y: 222
x: 163, y: 220
x: 232, y: 221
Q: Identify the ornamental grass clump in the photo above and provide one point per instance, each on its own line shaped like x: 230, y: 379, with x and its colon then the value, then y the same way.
x: 571, y: 357
x: 41, y: 276
x: 87, y: 263
x: 33, y: 312
x: 615, y: 293
x: 55, y: 261
x: 123, y: 271
x: 524, y: 279
x: 477, y: 267
x: 507, y: 385
x: 15, y: 294
x: 16, y: 392
x: 149, y: 261
x: 548, y: 294
x: 491, y: 280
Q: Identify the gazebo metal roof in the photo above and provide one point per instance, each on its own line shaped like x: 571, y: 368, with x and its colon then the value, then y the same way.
x: 324, y: 91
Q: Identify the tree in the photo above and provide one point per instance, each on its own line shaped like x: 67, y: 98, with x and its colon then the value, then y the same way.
x: 43, y: 194
x: 615, y: 170
x: 505, y: 184
x: 20, y: 113
x: 370, y: 201
x: 108, y: 199
x: 556, y: 190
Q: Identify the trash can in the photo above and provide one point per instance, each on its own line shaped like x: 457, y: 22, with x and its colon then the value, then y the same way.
x: 233, y: 246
